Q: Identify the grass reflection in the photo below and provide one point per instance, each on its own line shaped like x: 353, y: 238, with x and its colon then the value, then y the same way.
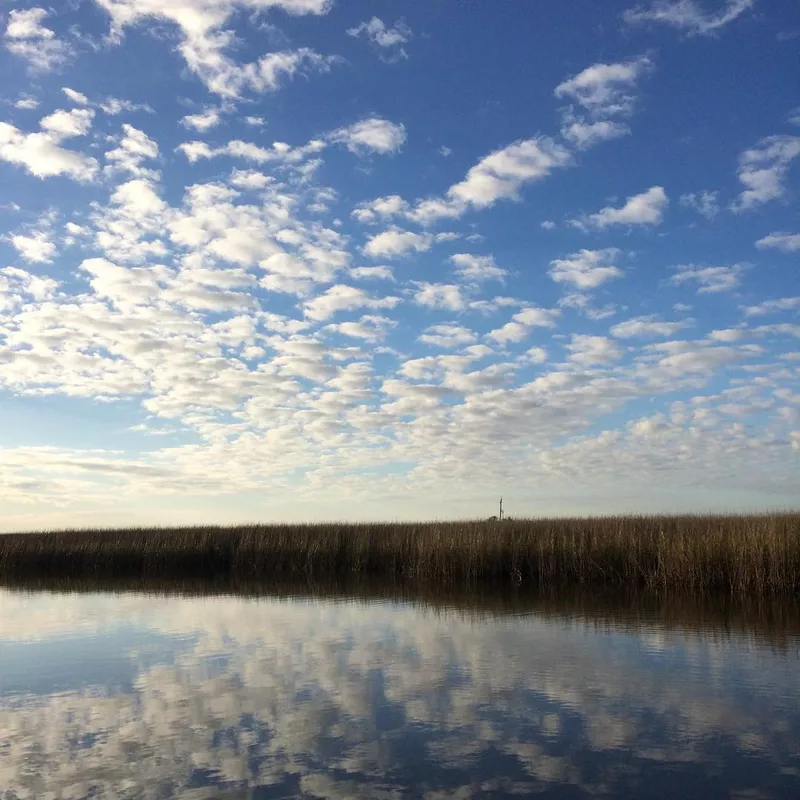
x: 772, y: 621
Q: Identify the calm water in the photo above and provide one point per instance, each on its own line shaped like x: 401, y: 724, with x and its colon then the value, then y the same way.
x: 141, y: 696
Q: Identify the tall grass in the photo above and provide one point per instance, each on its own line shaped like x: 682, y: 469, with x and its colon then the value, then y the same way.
x: 757, y: 554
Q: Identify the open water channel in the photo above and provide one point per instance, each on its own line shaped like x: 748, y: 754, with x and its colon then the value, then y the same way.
x: 142, y: 695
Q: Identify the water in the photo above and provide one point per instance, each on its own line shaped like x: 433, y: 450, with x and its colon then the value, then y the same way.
x: 140, y: 696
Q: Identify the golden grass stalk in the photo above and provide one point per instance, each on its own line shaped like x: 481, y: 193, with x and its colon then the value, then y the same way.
x: 700, y: 554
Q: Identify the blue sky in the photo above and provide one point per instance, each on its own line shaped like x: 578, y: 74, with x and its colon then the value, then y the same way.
x: 299, y: 259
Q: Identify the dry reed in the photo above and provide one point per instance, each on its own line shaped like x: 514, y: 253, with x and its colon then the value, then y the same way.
x: 739, y: 555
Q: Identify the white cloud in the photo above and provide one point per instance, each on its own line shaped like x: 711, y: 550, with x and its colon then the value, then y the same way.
x: 389, y: 40
x: 788, y: 242
x: 510, y: 332
x: 113, y: 106
x: 317, y: 258
x: 770, y: 306
x: 395, y: 242
x: 287, y: 284
x: 27, y: 38
x: 704, y: 203
x: 66, y: 124
x: 42, y: 156
x: 447, y: 336
x: 447, y: 296
x: 779, y: 329
x: 590, y: 350
x: 133, y: 147
x: 124, y: 287
x: 710, y: 280
x: 27, y: 104
x: 372, y: 135
x: 249, y: 179
x: 208, y: 119
x: 344, y: 298
x: 371, y: 273
x: 487, y: 307
x: 23, y: 283
x: 132, y: 228
x: 269, y: 72
x: 548, y: 225
x: 763, y: 170
x: 587, y: 269
x: 587, y: 134
x: 76, y: 97
x: 522, y: 323
x: 728, y: 335
x: 204, y: 40
x: 477, y: 268
x: 194, y: 151
x: 140, y: 198
x: 605, y: 89
x: 688, y: 15
x: 27, y: 24
x: 602, y: 93
x: 582, y: 303
x: 537, y: 317
x: 535, y: 355
x: 379, y: 209
x: 370, y: 328
x: 37, y: 248
x: 640, y: 327
x: 278, y: 152
x: 599, y: 96
x: 498, y: 176
x: 678, y: 358
x: 502, y: 173
x: 646, y: 208
x: 74, y: 232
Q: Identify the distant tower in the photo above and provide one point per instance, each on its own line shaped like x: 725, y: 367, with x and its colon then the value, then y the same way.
x: 501, y: 509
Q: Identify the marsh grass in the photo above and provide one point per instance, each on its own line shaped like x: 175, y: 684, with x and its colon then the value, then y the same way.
x: 746, y: 555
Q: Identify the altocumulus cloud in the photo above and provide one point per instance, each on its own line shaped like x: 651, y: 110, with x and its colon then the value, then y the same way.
x: 256, y: 261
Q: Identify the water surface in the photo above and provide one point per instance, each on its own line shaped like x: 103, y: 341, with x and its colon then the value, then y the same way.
x: 135, y: 695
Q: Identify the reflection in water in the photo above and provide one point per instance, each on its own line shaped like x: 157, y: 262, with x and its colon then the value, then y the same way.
x: 141, y: 696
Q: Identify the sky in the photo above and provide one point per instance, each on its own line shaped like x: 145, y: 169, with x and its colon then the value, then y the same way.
x: 314, y: 259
